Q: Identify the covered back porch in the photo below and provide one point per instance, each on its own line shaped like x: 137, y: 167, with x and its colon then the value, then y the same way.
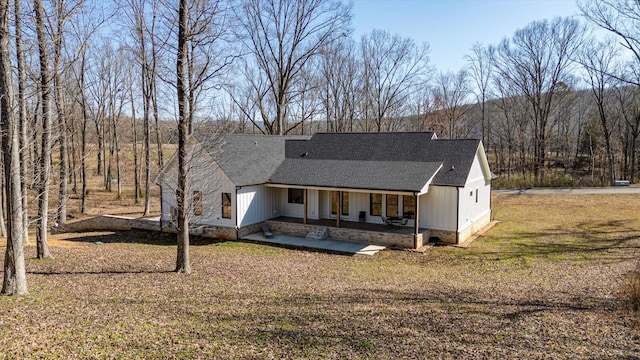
x: 386, y: 217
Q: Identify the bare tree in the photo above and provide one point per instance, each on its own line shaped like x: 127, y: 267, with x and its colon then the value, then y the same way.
x: 628, y: 106
x: 22, y: 114
x: 394, y: 68
x: 183, y: 263
x: 63, y: 11
x: 45, y: 157
x: 598, y: 60
x: 283, y: 36
x: 142, y: 36
x: 340, y: 77
x: 450, y: 93
x: 535, y: 60
x: 620, y: 17
x: 480, y: 69
x: 15, y: 279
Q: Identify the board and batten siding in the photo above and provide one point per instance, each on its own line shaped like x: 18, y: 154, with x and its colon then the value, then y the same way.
x: 476, y: 187
x: 207, y: 177
x: 256, y: 204
x: 297, y: 210
x: 438, y: 208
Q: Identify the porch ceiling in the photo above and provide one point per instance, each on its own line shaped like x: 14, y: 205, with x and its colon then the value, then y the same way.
x: 347, y: 189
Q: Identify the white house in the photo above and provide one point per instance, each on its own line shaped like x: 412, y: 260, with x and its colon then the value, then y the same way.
x: 395, y: 188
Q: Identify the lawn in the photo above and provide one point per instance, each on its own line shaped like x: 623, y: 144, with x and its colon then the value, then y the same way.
x: 544, y: 283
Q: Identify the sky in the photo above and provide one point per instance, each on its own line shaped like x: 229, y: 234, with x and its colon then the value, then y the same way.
x: 452, y: 27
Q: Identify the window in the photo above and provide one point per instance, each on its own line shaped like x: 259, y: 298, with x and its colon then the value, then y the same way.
x: 335, y: 199
x: 392, y: 205
x: 197, y: 203
x: 408, y: 207
x: 375, y: 204
x: 226, y: 205
x: 296, y: 196
x: 476, y: 196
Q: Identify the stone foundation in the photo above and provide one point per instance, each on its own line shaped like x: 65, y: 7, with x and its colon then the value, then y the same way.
x: 451, y: 237
x: 445, y: 236
x: 249, y: 229
x: 392, y: 239
x: 476, y: 226
x: 210, y: 231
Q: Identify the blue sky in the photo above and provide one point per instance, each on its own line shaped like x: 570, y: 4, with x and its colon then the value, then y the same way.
x: 452, y: 27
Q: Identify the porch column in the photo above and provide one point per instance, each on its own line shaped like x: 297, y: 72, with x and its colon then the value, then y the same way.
x: 416, y: 220
x: 339, y: 209
x: 304, y: 203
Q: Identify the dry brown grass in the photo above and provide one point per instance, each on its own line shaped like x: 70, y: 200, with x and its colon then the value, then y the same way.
x: 545, y: 283
x: 100, y: 201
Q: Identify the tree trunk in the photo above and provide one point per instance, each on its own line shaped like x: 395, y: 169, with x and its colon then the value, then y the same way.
x: 22, y: 115
x: 136, y: 175
x: 15, y: 278
x: 147, y: 160
x: 83, y: 133
x: 183, y: 263
x: 3, y: 227
x: 45, y: 159
x: 62, y: 124
x: 147, y: 137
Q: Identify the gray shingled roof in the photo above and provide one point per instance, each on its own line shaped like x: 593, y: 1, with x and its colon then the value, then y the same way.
x: 246, y: 159
x: 356, y: 174
x: 401, y: 160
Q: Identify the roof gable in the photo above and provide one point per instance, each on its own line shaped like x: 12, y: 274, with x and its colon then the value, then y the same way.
x: 246, y: 159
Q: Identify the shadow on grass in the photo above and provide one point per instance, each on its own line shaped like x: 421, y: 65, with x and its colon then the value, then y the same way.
x: 103, y: 272
x: 141, y: 237
x: 608, y: 240
x: 296, y: 247
x: 357, y: 320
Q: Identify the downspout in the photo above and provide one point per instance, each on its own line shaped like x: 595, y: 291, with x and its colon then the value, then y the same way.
x: 457, y: 213
x: 490, y: 203
x: 416, y: 221
x: 161, y: 207
x: 236, y: 202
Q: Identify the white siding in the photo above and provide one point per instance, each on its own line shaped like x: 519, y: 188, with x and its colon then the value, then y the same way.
x: 257, y: 203
x: 313, y: 204
x: 325, y: 204
x: 470, y: 209
x: 438, y: 208
x: 206, y: 176
x: 360, y: 202
x: 287, y: 209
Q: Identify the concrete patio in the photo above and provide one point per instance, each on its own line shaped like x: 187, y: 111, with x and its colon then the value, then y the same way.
x: 342, y: 246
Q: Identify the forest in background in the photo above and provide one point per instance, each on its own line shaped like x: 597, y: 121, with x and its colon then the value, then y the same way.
x: 555, y: 103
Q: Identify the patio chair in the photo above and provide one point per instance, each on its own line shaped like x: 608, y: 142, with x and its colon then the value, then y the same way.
x: 266, y: 231
x: 404, y: 222
x: 362, y: 216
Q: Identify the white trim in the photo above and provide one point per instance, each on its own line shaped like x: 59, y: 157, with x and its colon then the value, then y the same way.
x: 425, y: 188
x: 340, y: 189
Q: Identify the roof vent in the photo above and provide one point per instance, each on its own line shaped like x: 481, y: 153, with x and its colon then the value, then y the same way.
x: 305, y: 154
x: 452, y: 168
